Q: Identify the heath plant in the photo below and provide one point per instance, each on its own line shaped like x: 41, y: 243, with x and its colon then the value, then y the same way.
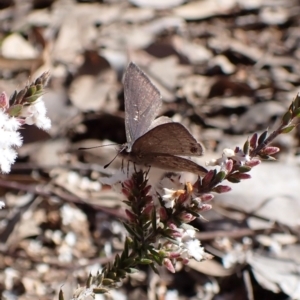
x: 158, y: 220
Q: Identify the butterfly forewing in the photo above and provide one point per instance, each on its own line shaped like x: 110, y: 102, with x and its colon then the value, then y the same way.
x: 142, y: 102
x: 169, y: 138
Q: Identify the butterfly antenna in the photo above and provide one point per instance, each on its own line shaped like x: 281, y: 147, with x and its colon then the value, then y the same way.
x: 88, y: 148
x: 112, y: 160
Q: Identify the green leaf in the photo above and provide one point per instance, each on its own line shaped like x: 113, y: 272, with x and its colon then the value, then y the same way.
x: 219, y: 177
x: 233, y: 180
x: 297, y: 112
x: 39, y: 87
x: 131, y: 270
x: 125, y: 250
x: 121, y: 273
x: 286, y: 119
x: 12, y: 98
x: 117, y: 260
x: 153, y: 220
x: 31, y: 91
x: 246, y: 147
x: 131, y: 231
x: 128, y: 262
x: 112, y: 275
x: 145, y: 261
x: 89, y: 281
x: 267, y: 157
x: 244, y: 169
x: 297, y: 101
x: 21, y: 95
x: 107, y: 281
x: 61, y: 295
x: 262, y: 137
x: 15, y: 111
x: 287, y: 129
x: 100, y: 278
x: 99, y: 290
x: 153, y: 267
x: 32, y: 98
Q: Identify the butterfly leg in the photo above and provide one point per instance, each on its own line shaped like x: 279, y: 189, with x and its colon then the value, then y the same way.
x: 128, y: 167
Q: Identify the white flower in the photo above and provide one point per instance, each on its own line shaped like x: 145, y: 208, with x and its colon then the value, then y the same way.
x: 9, y: 138
x: 36, y: 114
x: 189, y: 233
x: 169, y: 197
x: 116, y: 180
x: 194, y: 249
x: 240, y: 157
x: 220, y: 161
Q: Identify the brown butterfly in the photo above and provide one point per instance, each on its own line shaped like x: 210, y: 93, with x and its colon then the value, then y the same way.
x: 154, y: 142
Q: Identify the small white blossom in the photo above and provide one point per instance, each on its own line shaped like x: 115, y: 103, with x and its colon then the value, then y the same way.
x: 194, y: 249
x: 116, y: 180
x: 218, y: 162
x: 169, y: 198
x: 36, y: 114
x: 240, y: 157
x: 9, y: 138
x: 189, y: 233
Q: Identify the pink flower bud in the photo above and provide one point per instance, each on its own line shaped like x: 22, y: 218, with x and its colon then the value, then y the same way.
x: 183, y: 198
x: 185, y: 261
x: 128, y: 184
x: 207, y: 197
x: 148, y: 199
x: 147, y: 189
x: 163, y: 214
x: 222, y: 189
x: 253, y: 141
x: 175, y: 234
x: 229, y: 165
x: 172, y: 226
x: 271, y: 150
x: 4, y: 101
x: 205, y: 207
x: 208, y: 177
x: 253, y: 162
x: 148, y: 210
x: 186, y: 217
x: 237, y: 149
x: 168, y: 264
x: 243, y: 176
x: 174, y: 255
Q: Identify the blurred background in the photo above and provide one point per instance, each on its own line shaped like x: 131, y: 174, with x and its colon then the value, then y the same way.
x: 226, y: 69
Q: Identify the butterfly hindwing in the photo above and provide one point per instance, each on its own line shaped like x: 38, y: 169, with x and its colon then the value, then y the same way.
x: 170, y: 138
x: 170, y: 162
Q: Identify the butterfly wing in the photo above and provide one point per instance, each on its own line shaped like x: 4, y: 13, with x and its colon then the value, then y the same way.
x: 142, y: 102
x: 170, y: 138
x: 172, y: 163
